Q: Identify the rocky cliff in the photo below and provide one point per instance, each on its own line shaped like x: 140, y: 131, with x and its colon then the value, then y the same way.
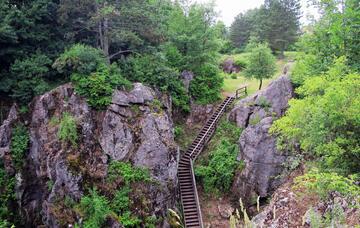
x: 136, y: 128
x: 263, y: 162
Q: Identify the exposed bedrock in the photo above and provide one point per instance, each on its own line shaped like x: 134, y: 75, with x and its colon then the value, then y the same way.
x: 263, y: 162
x: 134, y: 128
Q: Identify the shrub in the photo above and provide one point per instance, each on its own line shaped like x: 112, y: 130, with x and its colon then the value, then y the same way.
x: 95, y: 209
x: 323, y: 183
x: 153, y: 70
x: 98, y: 86
x: 241, y: 62
x: 19, y: 144
x: 7, y: 195
x: 68, y: 129
x: 80, y: 59
x: 206, y: 86
x: 92, y: 76
x: 264, y: 103
x: 28, y: 77
x: 128, y: 173
x: 233, y: 76
x: 325, y: 123
x: 218, y: 175
x: 178, y: 131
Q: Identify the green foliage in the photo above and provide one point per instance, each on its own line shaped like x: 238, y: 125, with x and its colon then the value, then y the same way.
x: 95, y: 209
x: 276, y: 22
x: 261, y: 63
x: 322, y: 183
x: 19, y: 144
x: 206, y: 86
x: 27, y: 77
x: 92, y: 76
x: 68, y: 129
x: 264, y: 103
x: 178, y: 131
x: 128, y: 173
x: 80, y: 59
x: 194, y: 47
x: 218, y: 175
x: 7, y: 195
x: 153, y: 70
x: 255, y: 120
x: 326, y: 122
x: 99, y: 85
x: 241, y: 62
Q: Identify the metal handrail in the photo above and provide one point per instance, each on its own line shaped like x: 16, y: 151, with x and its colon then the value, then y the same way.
x: 196, y: 194
x: 205, y: 135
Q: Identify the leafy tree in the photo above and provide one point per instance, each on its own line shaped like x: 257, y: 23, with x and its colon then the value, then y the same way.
x: 27, y: 78
x: 276, y: 22
x: 194, y: 46
x: 92, y: 76
x: 261, y: 63
x: 115, y: 27
x: 325, y: 122
x: 218, y: 175
x: 154, y: 70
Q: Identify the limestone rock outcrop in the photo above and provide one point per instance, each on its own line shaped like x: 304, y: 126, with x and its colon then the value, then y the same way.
x: 136, y: 128
x: 263, y: 162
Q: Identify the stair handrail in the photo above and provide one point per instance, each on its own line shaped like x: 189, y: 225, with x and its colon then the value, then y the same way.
x: 196, y: 194
x: 241, y: 88
x: 217, y: 116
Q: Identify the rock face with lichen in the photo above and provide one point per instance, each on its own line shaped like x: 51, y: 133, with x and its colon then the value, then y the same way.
x: 136, y: 128
x: 263, y: 162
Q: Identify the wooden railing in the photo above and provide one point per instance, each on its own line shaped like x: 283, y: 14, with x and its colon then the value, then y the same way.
x: 242, y: 90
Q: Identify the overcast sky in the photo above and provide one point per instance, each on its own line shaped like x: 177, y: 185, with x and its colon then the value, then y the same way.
x: 228, y: 9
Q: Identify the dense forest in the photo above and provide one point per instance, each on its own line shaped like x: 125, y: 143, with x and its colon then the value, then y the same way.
x: 104, y: 45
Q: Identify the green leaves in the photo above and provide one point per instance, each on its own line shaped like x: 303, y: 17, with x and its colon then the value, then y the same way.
x: 19, y: 144
x: 92, y: 76
x: 326, y: 122
x: 68, y: 130
x: 95, y: 209
x: 262, y: 64
x: 218, y: 175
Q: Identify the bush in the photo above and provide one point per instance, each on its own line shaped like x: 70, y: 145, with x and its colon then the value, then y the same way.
x: 28, y: 78
x: 241, y: 62
x: 323, y: 183
x: 19, y: 145
x: 206, y: 86
x: 218, y: 175
x: 95, y: 209
x: 233, y: 76
x: 92, y: 76
x: 7, y: 195
x: 325, y: 123
x: 80, y: 59
x: 128, y: 173
x: 153, y: 70
x: 68, y: 129
x: 98, y: 86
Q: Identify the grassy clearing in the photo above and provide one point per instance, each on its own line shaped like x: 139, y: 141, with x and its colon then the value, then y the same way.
x: 231, y: 84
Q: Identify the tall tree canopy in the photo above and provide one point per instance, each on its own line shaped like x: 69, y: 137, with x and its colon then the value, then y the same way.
x: 276, y: 22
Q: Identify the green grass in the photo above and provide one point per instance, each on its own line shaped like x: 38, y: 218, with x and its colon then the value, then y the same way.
x: 230, y: 85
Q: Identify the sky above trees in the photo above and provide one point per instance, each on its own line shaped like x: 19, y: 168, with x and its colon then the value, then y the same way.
x: 229, y: 9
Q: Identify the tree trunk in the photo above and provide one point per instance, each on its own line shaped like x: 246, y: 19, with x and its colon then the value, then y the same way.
x: 260, y: 84
x: 106, y: 39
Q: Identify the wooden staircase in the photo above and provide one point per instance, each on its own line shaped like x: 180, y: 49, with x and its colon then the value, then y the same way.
x: 186, y: 177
